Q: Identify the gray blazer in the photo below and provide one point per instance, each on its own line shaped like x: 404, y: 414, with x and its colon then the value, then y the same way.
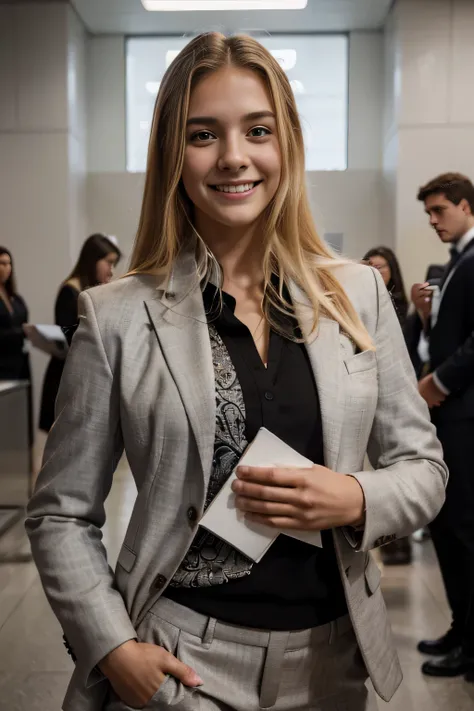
x: 139, y: 377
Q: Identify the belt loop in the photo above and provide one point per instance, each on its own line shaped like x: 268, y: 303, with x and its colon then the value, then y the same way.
x: 275, y: 657
x: 209, y: 633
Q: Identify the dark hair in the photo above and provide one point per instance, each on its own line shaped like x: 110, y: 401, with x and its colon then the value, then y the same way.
x: 395, y: 286
x: 454, y: 186
x: 95, y: 248
x: 10, y: 284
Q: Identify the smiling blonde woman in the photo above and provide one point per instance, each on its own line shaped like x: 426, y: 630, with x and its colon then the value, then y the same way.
x: 234, y: 316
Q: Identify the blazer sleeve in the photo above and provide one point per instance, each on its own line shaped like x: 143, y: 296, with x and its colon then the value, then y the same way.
x: 66, y: 513
x: 407, y: 487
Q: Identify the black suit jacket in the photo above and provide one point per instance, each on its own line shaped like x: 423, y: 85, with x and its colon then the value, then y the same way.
x: 452, y: 341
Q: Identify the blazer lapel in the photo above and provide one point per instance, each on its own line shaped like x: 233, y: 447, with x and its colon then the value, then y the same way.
x: 179, y: 320
x: 324, y: 352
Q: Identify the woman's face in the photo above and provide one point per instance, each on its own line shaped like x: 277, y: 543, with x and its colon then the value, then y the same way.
x: 5, y: 268
x: 105, y: 268
x: 382, y: 265
x: 232, y: 162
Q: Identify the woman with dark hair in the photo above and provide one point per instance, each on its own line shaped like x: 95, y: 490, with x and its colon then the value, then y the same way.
x: 384, y: 260
x: 98, y: 257
x: 14, y: 360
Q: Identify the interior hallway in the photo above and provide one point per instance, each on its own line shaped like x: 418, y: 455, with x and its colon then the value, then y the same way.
x: 34, y: 666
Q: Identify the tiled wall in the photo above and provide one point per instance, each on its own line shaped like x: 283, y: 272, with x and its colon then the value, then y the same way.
x: 432, y: 101
x: 42, y: 150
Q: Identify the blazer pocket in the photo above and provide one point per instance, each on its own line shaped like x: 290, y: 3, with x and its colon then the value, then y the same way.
x: 372, y: 575
x: 361, y: 362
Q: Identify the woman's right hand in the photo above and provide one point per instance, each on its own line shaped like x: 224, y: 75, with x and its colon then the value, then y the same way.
x: 136, y: 671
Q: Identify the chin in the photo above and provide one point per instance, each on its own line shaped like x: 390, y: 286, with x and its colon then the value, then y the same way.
x: 235, y: 221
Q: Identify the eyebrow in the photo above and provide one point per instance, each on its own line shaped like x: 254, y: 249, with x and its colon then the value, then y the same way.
x: 211, y: 120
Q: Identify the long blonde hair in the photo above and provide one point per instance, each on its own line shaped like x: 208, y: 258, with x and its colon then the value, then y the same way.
x: 293, y: 249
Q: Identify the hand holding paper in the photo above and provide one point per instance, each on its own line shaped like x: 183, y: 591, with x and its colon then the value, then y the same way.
x: 289, y: 499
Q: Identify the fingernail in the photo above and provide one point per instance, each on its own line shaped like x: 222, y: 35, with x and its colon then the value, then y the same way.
x: 197, y: 681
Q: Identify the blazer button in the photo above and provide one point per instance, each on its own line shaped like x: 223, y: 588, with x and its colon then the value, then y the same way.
x: 192, y: 514
x: 160, y: 582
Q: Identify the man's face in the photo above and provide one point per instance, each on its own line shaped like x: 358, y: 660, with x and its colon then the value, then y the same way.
x: 450, y: 221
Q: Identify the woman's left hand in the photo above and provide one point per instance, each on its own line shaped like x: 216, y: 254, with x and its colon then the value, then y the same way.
x: 299, y: 499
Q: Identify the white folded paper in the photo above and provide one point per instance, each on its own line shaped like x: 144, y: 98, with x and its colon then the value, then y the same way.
x: 47, y: 338
x: 51, y: 332
x: 225, y: 521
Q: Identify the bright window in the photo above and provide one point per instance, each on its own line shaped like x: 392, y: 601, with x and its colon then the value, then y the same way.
x: 317, y: 66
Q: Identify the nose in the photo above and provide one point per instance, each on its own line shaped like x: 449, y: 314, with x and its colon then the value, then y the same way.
x: 233, y: 156
x: 433, y: 220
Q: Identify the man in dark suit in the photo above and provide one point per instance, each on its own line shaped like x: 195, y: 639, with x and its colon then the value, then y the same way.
x: 448, y: 312
x: 414, y: 325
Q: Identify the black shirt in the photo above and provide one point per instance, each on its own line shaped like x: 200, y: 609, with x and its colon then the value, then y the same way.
x: 14, y: 361
x: 66, y: 316
x: 295, y: 585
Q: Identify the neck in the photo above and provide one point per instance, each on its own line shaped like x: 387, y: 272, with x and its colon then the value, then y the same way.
x: 240, y: 253
x: 468, y: 228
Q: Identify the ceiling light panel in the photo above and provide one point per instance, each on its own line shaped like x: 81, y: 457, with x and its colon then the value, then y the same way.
x: 192, y: 5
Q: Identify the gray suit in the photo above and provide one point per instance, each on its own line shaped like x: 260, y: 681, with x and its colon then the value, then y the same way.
x: 139, y: 376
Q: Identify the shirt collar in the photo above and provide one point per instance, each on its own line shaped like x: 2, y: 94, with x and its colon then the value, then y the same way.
x: 465, y: 240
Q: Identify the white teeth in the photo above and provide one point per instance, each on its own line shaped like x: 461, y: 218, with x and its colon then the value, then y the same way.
x: 235, y: 188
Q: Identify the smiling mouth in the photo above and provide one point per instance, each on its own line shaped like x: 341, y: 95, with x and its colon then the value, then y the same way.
x: 243, y: 188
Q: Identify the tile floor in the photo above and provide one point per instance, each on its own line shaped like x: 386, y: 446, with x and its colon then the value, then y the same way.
x: 34, y: 668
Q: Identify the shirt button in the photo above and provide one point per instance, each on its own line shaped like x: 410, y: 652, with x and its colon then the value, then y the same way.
x: 192, y: 514
x: 269, y: 395
x: 160, y: 582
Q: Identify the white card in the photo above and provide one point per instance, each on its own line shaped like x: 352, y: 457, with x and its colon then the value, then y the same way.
x: 226, y: 522
x: 51, y: 332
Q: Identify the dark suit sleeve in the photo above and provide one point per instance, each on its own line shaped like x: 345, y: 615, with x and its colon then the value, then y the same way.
x: 457, y: 371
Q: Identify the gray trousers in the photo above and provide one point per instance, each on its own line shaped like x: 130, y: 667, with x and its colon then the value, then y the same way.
x: 244, y: 669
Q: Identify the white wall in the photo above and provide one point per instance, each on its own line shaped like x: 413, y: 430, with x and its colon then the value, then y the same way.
x: 42, y: 151
x: 430, y: 115
x: 34, y: 148
x: 348, y: 202
x: 77, y: 123
x: 106, y: 105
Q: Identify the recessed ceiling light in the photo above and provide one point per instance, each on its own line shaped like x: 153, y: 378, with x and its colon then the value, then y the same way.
x: 190, y: 5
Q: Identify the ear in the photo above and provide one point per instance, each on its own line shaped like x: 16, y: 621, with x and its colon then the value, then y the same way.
x: 466, y: 208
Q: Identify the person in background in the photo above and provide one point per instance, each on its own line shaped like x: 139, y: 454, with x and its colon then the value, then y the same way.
x: 448, y: 389
x: 384, y: 260
x: 14, y: 359
x: 99, y: 255
x: 235, y: 316
x: 416, y: 336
